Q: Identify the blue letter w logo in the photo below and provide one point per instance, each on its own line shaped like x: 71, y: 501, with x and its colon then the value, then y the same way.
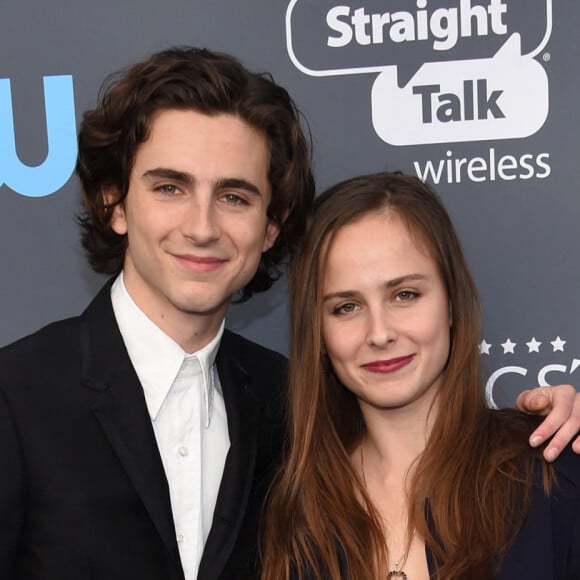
x: 56, y: 169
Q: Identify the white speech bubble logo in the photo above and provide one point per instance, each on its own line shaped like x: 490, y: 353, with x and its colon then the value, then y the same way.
x: 502, y: 97
x: 465, y: 100
x: 374, y: 69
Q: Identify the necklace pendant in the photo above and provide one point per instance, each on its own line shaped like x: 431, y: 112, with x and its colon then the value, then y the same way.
x: 397, y: 574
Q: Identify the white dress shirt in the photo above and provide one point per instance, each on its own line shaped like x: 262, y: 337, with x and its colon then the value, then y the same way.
x: 186, y: 405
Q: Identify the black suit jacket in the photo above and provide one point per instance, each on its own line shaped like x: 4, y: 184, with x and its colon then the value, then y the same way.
x: 83, y: 493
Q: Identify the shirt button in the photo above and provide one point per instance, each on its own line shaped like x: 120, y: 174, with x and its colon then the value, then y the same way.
x: 180, y: 538
x: 183, y: 451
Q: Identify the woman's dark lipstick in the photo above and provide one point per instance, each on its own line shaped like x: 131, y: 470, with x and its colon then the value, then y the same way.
x: 388, y: 366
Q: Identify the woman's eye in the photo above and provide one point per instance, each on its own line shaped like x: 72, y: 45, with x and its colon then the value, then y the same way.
x: 406, y: 296
x: 345, y: 308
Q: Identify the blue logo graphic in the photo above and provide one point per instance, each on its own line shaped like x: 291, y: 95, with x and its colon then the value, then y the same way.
x: 59, y: 164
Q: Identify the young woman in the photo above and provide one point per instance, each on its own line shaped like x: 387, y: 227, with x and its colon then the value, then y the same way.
x: 396, y: 468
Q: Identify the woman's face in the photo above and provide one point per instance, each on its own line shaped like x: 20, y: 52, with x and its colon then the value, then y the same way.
x: 385, y: 314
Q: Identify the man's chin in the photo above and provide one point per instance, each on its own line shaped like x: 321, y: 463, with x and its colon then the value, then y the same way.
x: 200, y: 307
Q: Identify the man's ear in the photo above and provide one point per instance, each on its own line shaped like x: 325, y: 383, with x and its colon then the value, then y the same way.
x: 118, y: 219
x: 272, y: 231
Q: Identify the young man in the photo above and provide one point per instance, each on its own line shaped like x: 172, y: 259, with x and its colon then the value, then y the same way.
x: 125, y: 452
x: 138, y: 440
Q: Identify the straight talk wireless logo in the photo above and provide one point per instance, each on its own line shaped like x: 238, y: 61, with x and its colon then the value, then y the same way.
x: 548, y: 360
x: 445, y: 71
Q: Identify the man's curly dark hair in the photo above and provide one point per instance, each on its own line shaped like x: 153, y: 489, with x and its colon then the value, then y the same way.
x: 210, y: 83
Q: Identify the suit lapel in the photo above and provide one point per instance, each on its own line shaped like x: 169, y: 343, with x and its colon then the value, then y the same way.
x: 243, y: 411
x: 122, y: 412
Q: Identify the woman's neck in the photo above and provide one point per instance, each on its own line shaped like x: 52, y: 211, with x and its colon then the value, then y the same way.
x: 385, y: 459
x: 395, y: 438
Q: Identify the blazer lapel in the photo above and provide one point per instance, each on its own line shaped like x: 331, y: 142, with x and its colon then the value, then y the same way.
x: 122, y: 413
x: 532, y: 553
x: 243, y: 412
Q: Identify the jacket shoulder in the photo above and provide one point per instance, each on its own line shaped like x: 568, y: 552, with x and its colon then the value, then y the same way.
x: 268, y: 369
x: 42, y: 345
x: 57, y: 345
x: 245, y: 346
x: 567, y: 468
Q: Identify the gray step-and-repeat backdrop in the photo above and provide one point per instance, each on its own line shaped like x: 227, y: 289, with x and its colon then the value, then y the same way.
x: 479, y: 97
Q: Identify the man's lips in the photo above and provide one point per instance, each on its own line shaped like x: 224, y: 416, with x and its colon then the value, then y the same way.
x: 388, y: 366
x: 199, y: 263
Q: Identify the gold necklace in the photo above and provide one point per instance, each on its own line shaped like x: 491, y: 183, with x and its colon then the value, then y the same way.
x: 399, y: 562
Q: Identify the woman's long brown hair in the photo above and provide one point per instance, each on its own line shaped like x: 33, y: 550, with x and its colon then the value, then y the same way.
x: 471, y: 486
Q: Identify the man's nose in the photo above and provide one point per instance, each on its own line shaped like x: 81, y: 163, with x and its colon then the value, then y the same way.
x: 201, y: 223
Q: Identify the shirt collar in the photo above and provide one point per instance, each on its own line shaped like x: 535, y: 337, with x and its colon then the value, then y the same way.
x: 156, y: 357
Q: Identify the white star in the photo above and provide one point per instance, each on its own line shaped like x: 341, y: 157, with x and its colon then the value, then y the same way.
x: 558, y: 344
x: 508, y: 346
x: 484, y: 347
x: 533, y: 345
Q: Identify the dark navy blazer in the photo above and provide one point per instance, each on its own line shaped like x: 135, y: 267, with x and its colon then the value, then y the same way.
x: 548, y: 545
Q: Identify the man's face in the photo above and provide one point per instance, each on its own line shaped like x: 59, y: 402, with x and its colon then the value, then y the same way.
x: 195, y: 217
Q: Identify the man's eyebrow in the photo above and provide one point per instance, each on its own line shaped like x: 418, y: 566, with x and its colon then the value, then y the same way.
x: 238, y: 183
x: 173, y: 174
x: 189, y: 179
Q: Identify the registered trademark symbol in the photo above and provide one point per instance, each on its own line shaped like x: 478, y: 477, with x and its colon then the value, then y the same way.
x: 546, y: 56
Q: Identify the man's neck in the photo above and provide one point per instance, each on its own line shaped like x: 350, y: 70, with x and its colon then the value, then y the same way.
x: 190, y: 330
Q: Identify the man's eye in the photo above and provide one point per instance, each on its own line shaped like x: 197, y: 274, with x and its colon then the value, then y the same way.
x: 234, y: 199
x: 169, y: 189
